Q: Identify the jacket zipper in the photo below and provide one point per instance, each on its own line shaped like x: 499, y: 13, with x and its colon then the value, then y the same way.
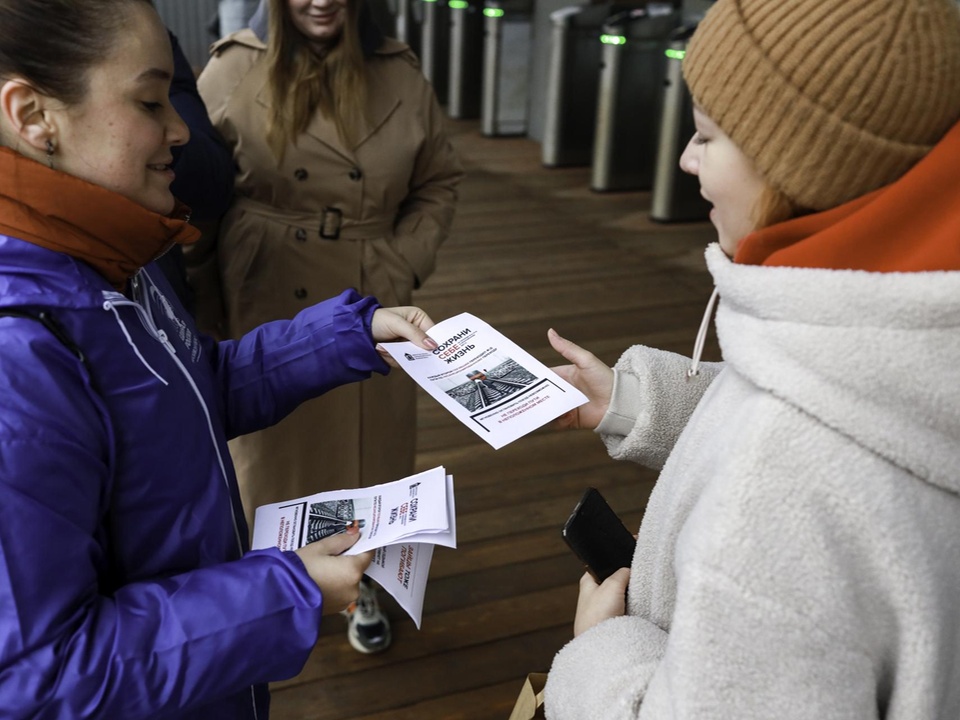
x: 141, y: 304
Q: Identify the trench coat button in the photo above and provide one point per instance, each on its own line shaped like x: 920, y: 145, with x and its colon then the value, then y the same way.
x: 301, y: 235
x: 301, y: 174
x: 300, y: 293
x: 356, y: 174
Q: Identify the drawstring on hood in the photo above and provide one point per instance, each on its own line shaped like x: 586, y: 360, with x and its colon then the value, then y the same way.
x: 63, y: 213
x: 702, y: 335
x: 110, y: 303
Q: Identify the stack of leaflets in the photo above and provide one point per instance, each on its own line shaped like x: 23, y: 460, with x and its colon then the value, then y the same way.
x: 400, y: 521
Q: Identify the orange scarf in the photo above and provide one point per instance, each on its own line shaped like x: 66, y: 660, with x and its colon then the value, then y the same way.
x: 910, y: 225
x: 69, y: 215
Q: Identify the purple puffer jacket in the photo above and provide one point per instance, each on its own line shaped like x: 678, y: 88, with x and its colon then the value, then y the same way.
x: 126, y: 588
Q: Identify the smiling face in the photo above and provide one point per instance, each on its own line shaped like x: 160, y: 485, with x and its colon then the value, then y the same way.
x: 319, y: 21
x: 120, y: 135
x: 728, y: 181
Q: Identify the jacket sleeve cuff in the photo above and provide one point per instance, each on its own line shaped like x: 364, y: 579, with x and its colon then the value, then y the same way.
x: 605, y: 672
x: 624, y: 409
x: 352, y: 325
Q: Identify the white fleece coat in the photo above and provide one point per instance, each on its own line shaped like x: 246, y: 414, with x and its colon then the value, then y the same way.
x: 800, y: 554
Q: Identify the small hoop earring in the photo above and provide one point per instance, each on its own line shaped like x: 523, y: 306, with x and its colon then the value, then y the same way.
x: 51, y: 149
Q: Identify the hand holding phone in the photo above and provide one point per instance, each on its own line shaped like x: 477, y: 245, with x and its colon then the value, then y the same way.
x: 598, y: 537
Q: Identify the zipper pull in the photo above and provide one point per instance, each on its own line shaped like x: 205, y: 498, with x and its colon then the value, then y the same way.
x: 165, y: 341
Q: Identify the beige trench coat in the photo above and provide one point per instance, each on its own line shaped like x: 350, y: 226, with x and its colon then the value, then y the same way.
x: 328, y: 218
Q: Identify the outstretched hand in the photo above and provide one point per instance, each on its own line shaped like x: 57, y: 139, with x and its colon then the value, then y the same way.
x: 401, y: 323
x: 337, y: 575
x: 590, y: 376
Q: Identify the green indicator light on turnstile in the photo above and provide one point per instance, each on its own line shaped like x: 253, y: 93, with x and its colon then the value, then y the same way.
x: 613, y: 40
x: 493, y: 12
x: 458, y: 4
x: 675, y: 54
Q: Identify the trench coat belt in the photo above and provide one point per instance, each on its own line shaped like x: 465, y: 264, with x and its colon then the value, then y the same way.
x: 327, y: 224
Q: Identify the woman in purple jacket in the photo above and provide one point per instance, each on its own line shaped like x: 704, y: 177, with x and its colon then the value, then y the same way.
x: 126, y: 588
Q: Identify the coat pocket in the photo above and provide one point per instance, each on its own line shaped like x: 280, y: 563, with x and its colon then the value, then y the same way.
x: 388, y: 273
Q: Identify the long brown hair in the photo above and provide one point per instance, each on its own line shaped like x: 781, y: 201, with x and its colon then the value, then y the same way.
x: 303, y: 81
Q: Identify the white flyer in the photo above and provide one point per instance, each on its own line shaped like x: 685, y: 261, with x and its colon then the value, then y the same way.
x: 490, y: 384
x: 401, y: 521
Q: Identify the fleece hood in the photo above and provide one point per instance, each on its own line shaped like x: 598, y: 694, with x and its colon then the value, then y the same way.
x: 871, y: 355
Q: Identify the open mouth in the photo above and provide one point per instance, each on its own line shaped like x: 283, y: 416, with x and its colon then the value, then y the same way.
x: 164, y: 169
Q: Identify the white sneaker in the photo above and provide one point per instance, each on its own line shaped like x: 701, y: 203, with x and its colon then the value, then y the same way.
x: 368, y: 629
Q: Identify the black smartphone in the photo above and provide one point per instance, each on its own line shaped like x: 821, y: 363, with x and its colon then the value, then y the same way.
x: 597, y: 536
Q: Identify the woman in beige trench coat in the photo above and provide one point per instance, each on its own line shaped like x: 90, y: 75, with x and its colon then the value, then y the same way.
x: 367, y: 212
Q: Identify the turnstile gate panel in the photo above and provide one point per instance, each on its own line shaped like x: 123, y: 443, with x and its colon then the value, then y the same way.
x: 465, y: 78
x: 506, y: 67
x: 435, y: 45
x: 630, y: 96
x: 573, y: 83
x: 676, y: 194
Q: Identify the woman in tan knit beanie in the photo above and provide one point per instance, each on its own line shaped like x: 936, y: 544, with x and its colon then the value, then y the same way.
x: 798, y: 555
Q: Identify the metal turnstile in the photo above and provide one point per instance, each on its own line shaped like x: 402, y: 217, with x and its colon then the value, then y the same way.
x: 676, y: 194
x: 506, y: 71
x: 630, y: 95
x: 573, y: 82
x: 408, y: 16
x: 435, y: 45
x: 465, y: 77
x: 542, y: 33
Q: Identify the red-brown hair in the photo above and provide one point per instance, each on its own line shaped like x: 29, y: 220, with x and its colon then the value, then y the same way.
x: 773, y: 206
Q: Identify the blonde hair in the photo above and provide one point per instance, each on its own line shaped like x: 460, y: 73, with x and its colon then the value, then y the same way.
x: 303, y: 81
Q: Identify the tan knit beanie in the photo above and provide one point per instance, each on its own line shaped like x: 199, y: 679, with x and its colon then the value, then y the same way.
x: 830, y: 98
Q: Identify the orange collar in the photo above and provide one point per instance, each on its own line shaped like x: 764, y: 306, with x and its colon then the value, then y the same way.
x: 66, y: 214
x: 911, y: 225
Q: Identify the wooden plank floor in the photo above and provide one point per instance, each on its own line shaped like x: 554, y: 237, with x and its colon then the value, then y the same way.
x: 532, y: 248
